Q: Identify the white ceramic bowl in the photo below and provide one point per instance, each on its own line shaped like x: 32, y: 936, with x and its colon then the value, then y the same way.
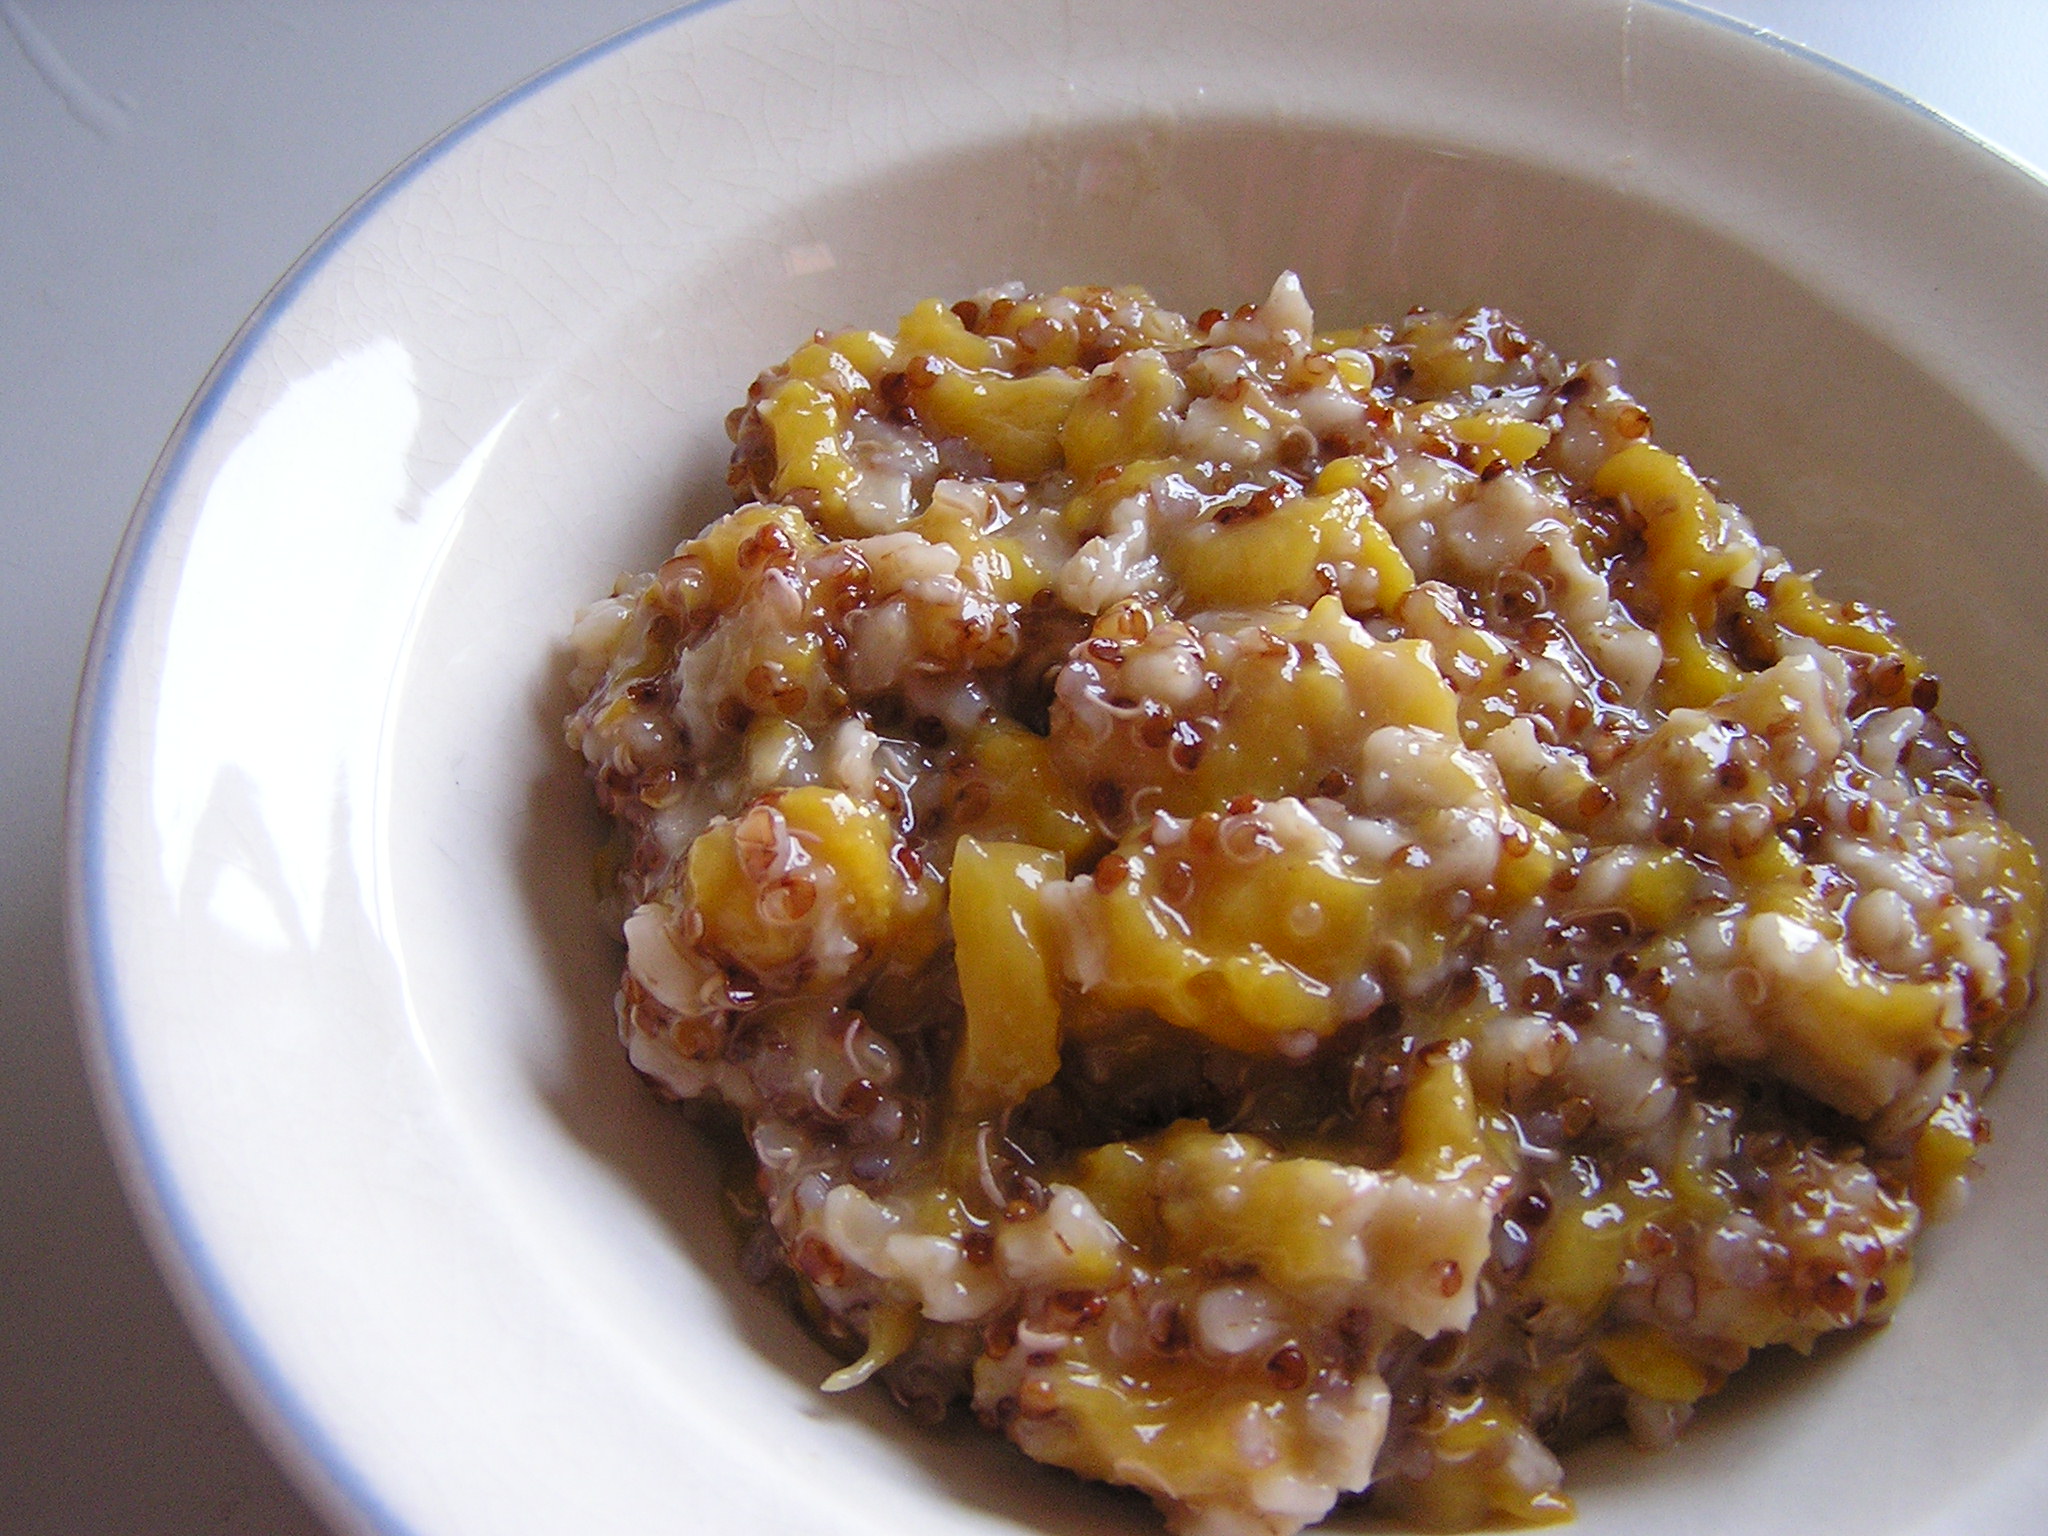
x: 332, y: 901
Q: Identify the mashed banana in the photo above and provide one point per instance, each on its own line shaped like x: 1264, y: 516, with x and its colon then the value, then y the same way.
x: 1291, y: 914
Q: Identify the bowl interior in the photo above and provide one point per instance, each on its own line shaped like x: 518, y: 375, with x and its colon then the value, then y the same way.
x: 1847, y: 454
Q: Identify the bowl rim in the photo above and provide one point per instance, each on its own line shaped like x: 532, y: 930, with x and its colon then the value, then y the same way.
x: 207, y: 1298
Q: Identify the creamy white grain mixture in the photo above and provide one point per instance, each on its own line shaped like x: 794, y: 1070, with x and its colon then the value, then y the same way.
x: 1289, y: 914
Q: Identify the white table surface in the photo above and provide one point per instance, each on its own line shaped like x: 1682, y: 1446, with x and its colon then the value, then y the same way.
x: 160, y: 165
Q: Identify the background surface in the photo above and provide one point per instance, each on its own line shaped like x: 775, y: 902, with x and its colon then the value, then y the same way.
x: 161, y: 164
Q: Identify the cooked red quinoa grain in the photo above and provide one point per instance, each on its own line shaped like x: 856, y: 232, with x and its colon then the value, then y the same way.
x: 1291, y: 915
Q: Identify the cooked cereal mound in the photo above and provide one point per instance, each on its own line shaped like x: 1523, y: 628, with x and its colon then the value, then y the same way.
x: 1291, y: 913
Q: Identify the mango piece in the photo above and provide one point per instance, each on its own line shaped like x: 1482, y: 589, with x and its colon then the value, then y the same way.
x: 1493, y: 691
x: 1449, y: 353
x: 837, y: 895
x: 1409, y: 1249
x: 1346, y: 474
x: 870, y: 352
x: 729, y: 553
x: 891, y: 1329
x: 806, y: 423
x: 990, y: 562
x: 1355, y: 370
x: 1177, y: 1428
x: 1259, y: 561
x: 1055, y: 338
x: 935, y: 331
x: 1440, y: 1134
x: 1659, y: 889
x: 1086, y: 514
x: 1847, y: 1034
x: 1768, y: 874
x: 1376, y: 548
x: 1473, y: 1480
x: 1249, y: 564
x: 1501, y: 437
x: 1943, y: 1154
x: 1298, y: 712
x: 1795, y: 604
x: 1128, y: 411
x: 1646, y: 1361
x: 1578, y: 1258
x: 1525, y: 869
x: 1010, y: 1043
x: 1694, y: 550
x: 1117, y: 1177
x: 824, y: 364
x: 1011, y: 789
x: 1580, y: 1250
x: 1248, y: 956
x: 1015, y: 421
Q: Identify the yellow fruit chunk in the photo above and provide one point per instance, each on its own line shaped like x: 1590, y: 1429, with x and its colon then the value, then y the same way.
x: 1010, y: 1043
x: 1647, y: 1362
x: 1259, y: 561
x: 1376, y: 550
x: 1117, y: 1177
x: 1055, y: 338
x: 1771, y: 875
x: 1526, y: 866
x: 870, y: 352
x: 1178, y: 1429
x: 1796, y: 605
x: 1254, y: 563
x: 729, y: 553
x: 1474, y: 1476
x: 1310, y: 702
x: 1581, y: 1248
x: 1086, y: 514
x: 935, y: 331
x: 1345, y: 474
x: 1015, y: 421
x: 824, y: 364
x: 810, y: 450
x: 1942, y: 1156
x: 1248, y: 955
x: 1501, y: 437
x: 1010, y: 789
x: 1410, y: 1249
x: 1494, y: 684
x: 1658, y: 889
x: 1578, y: 1259
x: 990, y: 562
x: 1281, y: 1216
x: 1847, y: 1034
x: 1695, y: 550
x: 891, y: 1329
x: 1440, y: 1136
x: 1128, y: 411
x: 1355, y: 369
x: 1449, y: 353
x: 803, y: 874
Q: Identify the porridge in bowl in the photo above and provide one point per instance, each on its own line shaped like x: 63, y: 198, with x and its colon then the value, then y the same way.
x: 1288, y: 914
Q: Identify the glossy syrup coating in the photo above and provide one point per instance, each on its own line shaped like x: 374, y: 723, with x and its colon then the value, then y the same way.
x: 1291, y: 914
